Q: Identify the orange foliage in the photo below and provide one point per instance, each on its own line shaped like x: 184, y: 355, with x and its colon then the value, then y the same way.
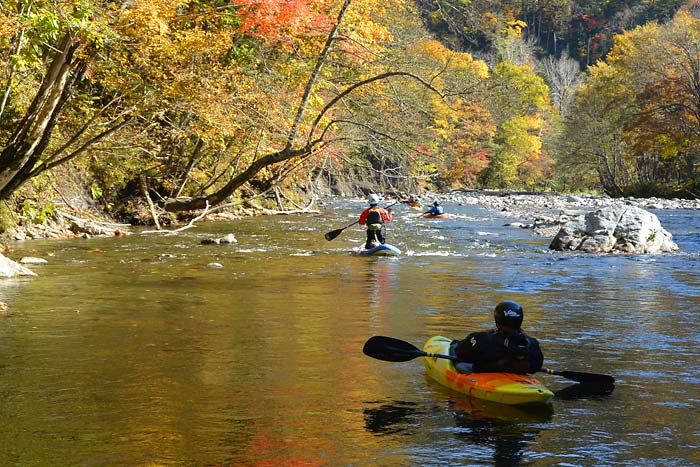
x: 467, y: 168
x: 276, y: 20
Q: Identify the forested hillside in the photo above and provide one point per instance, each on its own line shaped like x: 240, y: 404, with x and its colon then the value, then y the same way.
x: 187, y: 104
x: 584, y: 30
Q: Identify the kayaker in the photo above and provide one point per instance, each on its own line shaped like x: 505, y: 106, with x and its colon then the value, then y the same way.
x: 505, y: 348
x: 414, y: 202
x: 375, y: 217
x: 435, y: 210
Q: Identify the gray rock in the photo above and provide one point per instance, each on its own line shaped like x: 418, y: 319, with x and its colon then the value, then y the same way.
x: 33, y: 260
x: 227, y: 240
x: 9, y: 268
x: 616, y: 228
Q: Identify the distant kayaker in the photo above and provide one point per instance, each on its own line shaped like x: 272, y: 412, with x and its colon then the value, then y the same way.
x: 374, y: 218
x: 503, y: 349
x: 412, y: 201
x: 436, y: 210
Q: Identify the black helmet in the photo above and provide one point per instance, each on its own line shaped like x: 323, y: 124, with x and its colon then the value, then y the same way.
x: 508, y: 313
x: 436, y: 203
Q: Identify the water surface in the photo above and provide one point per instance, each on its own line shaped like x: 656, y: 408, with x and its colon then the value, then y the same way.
x: 152, y: 350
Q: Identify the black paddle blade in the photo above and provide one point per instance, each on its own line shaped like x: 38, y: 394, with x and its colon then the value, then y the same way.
x: 589, y: 378
x: 333, y: 233
x: 391, y: 350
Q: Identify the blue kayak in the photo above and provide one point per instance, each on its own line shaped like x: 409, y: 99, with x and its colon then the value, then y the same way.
x: 381, y: 250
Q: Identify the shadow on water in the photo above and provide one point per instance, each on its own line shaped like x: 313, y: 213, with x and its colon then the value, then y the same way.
x: 485, y: 432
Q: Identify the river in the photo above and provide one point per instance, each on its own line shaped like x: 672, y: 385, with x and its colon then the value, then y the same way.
x: 156, y: 350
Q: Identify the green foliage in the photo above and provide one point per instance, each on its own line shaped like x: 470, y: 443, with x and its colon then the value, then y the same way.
x: 96, y: 191
x: 519, y: 101
x: 7, y: 219
x: 37, y: 213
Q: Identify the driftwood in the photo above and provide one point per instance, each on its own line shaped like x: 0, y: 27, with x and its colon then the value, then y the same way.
x: 92, y: 227
x: 209, y: 210
x: 188, y: 226
x: 307, y: 209
x: 92, y: 221
x: 151, y: 206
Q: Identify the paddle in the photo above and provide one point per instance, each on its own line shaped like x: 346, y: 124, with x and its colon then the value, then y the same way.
x: 390, y: 349
x: 334, y: 233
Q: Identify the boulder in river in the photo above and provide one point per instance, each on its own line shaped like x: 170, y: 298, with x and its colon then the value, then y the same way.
x: 617, y: 228
x: 9, y: 268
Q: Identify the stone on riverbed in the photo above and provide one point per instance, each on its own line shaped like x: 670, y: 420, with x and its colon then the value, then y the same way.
x: 9, y: 268
x: 227, y: 240
x: 617, y: 228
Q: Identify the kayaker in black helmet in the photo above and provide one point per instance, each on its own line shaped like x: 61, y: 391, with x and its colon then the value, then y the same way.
x: 505, y: 348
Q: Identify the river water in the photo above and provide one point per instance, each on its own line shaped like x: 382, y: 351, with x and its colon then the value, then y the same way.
x: 154, y: 350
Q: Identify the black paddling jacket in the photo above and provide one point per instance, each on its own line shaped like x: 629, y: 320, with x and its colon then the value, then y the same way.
x: 495, y: 351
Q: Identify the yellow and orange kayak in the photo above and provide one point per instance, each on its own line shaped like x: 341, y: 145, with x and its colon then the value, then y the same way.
x: 439, y: 216
x: 504, y: 388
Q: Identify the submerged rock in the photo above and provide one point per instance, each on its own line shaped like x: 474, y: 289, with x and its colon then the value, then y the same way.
x: 617, y: 228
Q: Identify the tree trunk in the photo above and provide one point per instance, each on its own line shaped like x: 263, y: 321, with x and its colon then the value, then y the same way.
x: 174, y: 205
x: 33, y: 132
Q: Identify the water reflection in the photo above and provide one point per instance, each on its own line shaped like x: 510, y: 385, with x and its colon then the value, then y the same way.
x: 380, y: 274
x: 485, y: 410
x: 506, y: 431
x: 170, y: 362
x: 498, y: 431
x: 396, y: 417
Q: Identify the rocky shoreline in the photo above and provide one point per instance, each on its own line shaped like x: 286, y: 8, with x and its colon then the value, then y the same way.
x: 545, y: 213
x: 549, y: 203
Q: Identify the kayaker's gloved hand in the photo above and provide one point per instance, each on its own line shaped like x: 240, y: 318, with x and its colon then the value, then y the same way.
x: 389, y: 209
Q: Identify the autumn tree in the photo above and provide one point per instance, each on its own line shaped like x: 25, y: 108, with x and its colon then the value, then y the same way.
x: 637, y: 116
x: 47, y: 54
x: 366, y: 97
x: 519, y: 103
x: 597, y: 152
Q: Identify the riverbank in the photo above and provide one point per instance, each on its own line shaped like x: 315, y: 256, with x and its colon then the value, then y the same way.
x: 543, y: 212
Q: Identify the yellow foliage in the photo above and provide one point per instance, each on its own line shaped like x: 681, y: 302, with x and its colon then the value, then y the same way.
x: 363, y: 33
x: 8, y: 26
x: 516, y: 25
